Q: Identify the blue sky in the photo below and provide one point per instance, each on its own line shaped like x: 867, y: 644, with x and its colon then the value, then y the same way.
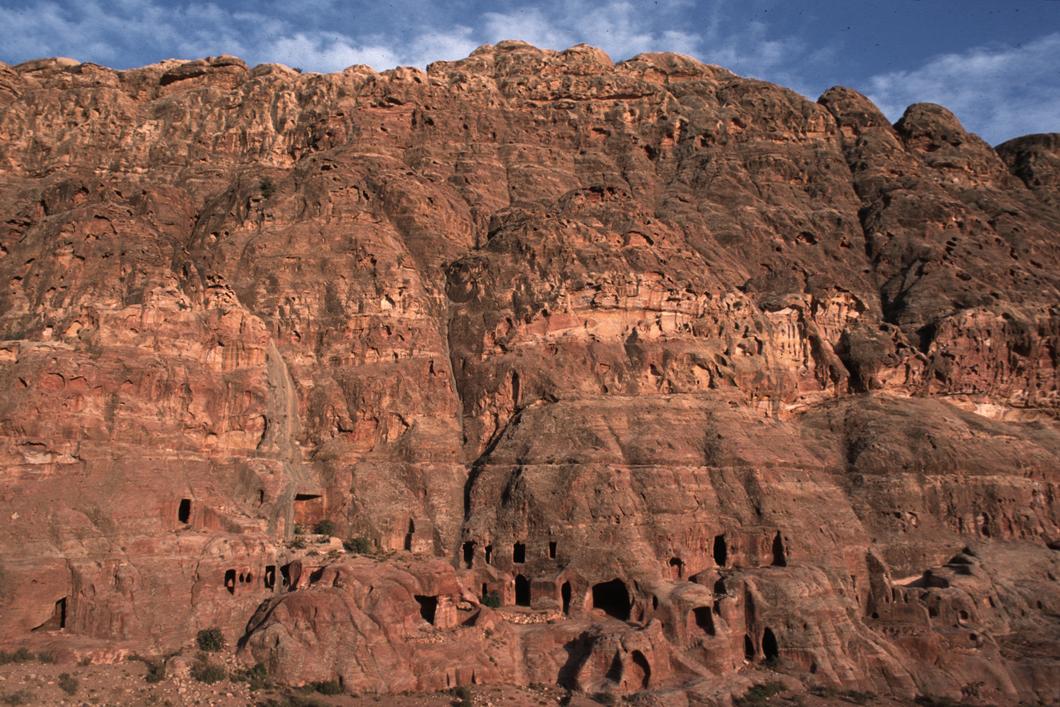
x: 996, y: 63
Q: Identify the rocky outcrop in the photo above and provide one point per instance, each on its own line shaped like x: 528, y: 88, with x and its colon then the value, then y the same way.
x: 628, y: 376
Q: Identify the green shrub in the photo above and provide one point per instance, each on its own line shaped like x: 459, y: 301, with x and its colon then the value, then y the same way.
x: 324, y: 527
x: 492, y: 600
x: 463, y: 695
x: 156, y: 671
x: 759, y: 694
x: 298, y: 529
x: 297, y: 544
x: 207, y: 672
x: 256, y: 678
x: 22, y: 697
x: 210, y: 640
x: 360, y: 546
x: 68, y: 683
x: 328, y: 687
x: 46, y: 657
x: 267, y: 188
x: 22, y: 655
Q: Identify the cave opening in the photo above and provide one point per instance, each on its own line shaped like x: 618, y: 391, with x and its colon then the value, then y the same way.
x: 184, y: 511
x: 489, y: 554
x: 522, y: 590
x: 409, y: 535
x: 721, y: 550
x: 770, y: 648
x: 469, y: 553
x: 641, y: 663
x: 270, y: 576
x: 614, y: 671
x: 553, y: 547
x: 704, y: 619
x: 230, y: 581
x: 612, y: 598
x: 677, y: 568
x: 779, y: 556
x: 428, y: 607
x: 519, y: 553
x: 748, y: 647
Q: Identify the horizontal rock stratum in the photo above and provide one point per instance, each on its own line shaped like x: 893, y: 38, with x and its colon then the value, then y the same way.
x: 622, y: 377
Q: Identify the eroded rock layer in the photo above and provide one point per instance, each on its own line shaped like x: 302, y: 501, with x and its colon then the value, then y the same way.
x: 637, y: 376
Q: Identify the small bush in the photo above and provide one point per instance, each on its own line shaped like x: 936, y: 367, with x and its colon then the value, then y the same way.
x: 86, y: 660
x: 463, y: 696
x: 22, y: 697
x: 207, y: 672
x: 210, y: 640
x: 324, y: 527
x: 492, y: 600
x: 360, y: 546
x: 267, y: 188
x: 22, y: 655
x: 46, y: 657
x: 298, y: 529
x: 759, y: 694
x: 328, y: 687
x: 156, y: 671
x: 68, y: 683
x: 297, y: 544
x: 256, y: 678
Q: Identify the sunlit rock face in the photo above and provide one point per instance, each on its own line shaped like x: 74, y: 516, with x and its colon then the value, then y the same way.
x: 636, y: 376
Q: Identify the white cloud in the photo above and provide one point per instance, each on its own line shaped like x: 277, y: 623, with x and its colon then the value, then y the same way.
x: 997, y: 91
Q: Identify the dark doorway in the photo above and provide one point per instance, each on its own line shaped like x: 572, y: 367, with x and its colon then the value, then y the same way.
x: 428, y: 607
x: 564, y: 593
x: 770, y: 649
x: 57, y: 621
x: 704, y: 619
x: 640, y: 662
x: 614, y: 671
x: 721, y: 550
x: 489, y: 554
x: 677, y: 568
x: 409, y: 534
x: 552, y: 548
x: 748, y: 647
x: 230, y: 581
x: 469, y: 553
x: 519, y: 553
x: 779, y: 557
x: 184, y: 511
x: 270, y: 576
x: 613, y: 598
x: 522, y: 590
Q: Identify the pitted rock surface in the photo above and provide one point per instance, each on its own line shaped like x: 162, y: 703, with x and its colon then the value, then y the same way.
x: 635, y: 376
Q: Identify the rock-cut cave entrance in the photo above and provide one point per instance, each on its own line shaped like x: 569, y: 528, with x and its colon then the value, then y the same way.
x: 612, y: 598
x: 564, y: 593
x: 184, y: 510
x: 428, y: 607
x: 721, y: 550
x: 779, y: 556
x: 522, y: 590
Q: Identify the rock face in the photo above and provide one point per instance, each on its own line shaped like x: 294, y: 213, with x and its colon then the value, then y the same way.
x: 629, y: 376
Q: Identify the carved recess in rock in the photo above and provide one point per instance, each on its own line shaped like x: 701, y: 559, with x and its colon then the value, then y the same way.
x: 684, y: 372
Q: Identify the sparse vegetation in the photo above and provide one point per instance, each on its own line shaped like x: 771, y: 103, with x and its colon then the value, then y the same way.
x: 463, y: 696
x: 257, y: 678
x: 267, y: 188
x: 759, y: 694
x: 21, y: 697
x: 358, y: 545
x: 324, y: 527
x: 492, y: 600
x: 328, y: 687
x: 22, y: 655
x: 46, y: 657
x: 298, y: 529
x: 297, y: 544
x: 210, y: 640
x: 937, y: 701
x: 206, y: 672
x: 68, y: 683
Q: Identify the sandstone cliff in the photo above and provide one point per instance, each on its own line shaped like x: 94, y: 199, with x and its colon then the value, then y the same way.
x: 693, y: 376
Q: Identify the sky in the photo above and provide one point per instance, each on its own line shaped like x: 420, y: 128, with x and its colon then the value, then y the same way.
x: 995, y: 63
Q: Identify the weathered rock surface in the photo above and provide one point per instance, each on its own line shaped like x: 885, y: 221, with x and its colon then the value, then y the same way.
x: 689, y: 372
